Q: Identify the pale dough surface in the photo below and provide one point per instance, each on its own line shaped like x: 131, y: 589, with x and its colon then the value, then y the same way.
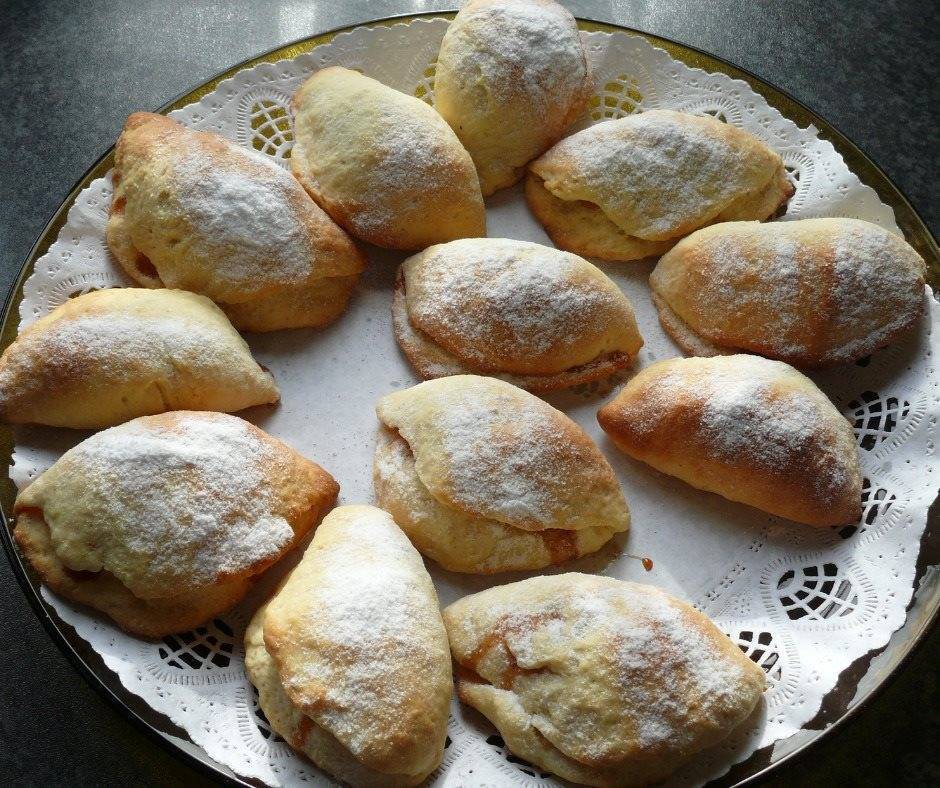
x: 601, y: 681
x: 461, y: 542
x: 111, y: 355
x: 358, y: 646
x: 539, y: 316
x: 194, y: 211
x: 383, y: 164
x: 811, y: 292
x: 164, y: 521
x: 511, y: 77
x: 493, y: 451
x: 629, y: 188
x: 748, y: 428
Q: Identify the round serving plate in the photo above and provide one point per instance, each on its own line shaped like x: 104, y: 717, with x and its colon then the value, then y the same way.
x: 856, y: 686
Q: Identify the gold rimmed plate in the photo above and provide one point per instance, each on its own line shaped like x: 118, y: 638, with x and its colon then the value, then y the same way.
x: 855, y: 688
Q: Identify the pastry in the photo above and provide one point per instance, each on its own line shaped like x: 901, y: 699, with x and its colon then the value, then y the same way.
x: 750, y: 429
x: 511, y: 77
x: 537, y: 317
x: 485, y: 478
x: 810, y: 292
x: 193, y: 211
x: 350, y: 656
x: 108, y: 356
x: 384, y: 165
x: 600, y: 681
x: 165, y: 521
x: 631, y: 188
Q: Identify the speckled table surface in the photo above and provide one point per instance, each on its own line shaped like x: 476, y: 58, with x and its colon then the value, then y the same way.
x: 73, y: 71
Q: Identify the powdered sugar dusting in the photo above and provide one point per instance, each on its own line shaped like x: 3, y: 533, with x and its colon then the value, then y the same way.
x: 698, y: 562
x: 515, y: 298
x: 782, y: 282
x: 825, y: 290
x: 166, y: 508
x: 411, y: 156
x: 108, y: 340
x: 248, y: 225
x: 535, y: 43
x: 653, y: 638
x: 665, y: 669
x: 502, y: 465
x: 654, y: 173
x: 370, y: 605
x: 743, y: 413
x: 497, y: 452
x: 874, y: 272
x: 369, y: 601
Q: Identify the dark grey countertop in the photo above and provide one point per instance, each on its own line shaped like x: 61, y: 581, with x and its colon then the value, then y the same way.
x: 71, y: 73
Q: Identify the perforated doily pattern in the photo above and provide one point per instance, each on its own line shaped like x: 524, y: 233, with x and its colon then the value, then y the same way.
x: 802, y: 603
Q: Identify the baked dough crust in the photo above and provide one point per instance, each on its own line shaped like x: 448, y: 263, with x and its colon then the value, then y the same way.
x: 460, y: 542
x: 582, y: 226
x: 492, y: 450
x: 487, y: 478
x: 630, y: 188
x: 193, y: 211
x: 165, y: 521
x: 147, y: 618
x: 690, y: 342
x: 383, y: 164
x: 750, y: 429
x: 601, y: 681
x: 535, y: 316
x: 298, y: 730
x: 350, y: 656
x: 812, y: 292
x: 511, y: 77
x: 432, y: 361
x: 315, y: 306
x: 111, y: 355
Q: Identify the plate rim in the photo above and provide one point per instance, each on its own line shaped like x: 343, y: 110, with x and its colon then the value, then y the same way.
x: 107, y: 683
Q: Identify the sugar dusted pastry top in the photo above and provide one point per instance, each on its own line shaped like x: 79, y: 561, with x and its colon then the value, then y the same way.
x: 193, y: 211
x: 360, y: 648
x: 462, y: 542
x: 383, y: 164
x: 601, y: 681
x: 511, y: 76
x: 659, y: 174
x: 751, y: 429
x: 110, y: 355
x: 513, y: 306
x: 177, y: 502
x: 495, y: 451
x: 810, y: 292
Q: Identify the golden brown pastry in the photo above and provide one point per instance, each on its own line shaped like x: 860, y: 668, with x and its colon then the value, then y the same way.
x: 602, y: 682
x: 631, y: 188
x: 535, y: 316
x: 193, y: 211
x: 384, y: 165
x: 108, y: 356
x: 750, y: 429
x: 485, y: 478
x: 350, y: 656
x: 165, y: 521
x: 811, y: 292
x: 511, y: 76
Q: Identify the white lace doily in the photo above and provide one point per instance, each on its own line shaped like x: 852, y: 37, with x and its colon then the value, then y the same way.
x: 802, y: 603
